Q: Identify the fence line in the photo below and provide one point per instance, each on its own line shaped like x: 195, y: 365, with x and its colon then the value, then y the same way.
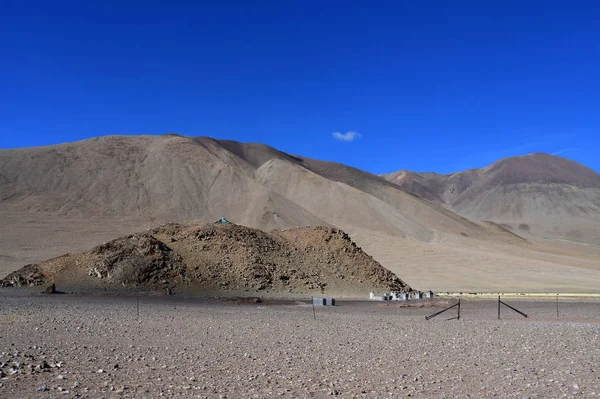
x: 442, y: 311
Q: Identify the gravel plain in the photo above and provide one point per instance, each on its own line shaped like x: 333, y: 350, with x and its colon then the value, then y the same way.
x: 97, y: 347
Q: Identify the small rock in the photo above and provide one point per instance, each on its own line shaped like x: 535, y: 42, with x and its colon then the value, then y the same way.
x: 43, y: 366
x: 43, y: 388
x: 51, y: 289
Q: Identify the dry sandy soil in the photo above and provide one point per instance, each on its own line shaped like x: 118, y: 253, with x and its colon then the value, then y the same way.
x: 214, y: 349
x: 458, y: 264
x: 449, y: 263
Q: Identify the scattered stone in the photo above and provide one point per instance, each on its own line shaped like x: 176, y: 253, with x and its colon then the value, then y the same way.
x: 279, y: 350
x: 43, y: 366
x: 51, y: 289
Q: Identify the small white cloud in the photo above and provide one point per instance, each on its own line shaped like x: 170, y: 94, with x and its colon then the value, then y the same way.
x: 349, y: 136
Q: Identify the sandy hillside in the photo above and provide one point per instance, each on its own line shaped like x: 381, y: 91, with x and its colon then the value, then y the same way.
x: 537, y: 195
x: 74, y: 196
x: 219, y: 257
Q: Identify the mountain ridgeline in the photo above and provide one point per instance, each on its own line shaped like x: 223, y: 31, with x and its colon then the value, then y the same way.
x: 178, y: 179
x: 539, y: 194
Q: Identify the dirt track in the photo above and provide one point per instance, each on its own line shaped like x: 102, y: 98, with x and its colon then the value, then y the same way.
x: 212, y: 349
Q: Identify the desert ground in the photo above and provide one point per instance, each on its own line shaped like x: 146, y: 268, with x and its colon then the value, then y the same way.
x: 447, y: 263
x: 460, y: 264
x: 98, y: 347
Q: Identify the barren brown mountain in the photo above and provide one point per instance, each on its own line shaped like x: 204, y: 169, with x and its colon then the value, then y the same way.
x: 70, y: 197
x: 533, y: 195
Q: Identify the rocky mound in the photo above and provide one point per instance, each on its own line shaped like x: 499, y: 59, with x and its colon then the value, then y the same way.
x: 137, y: 259
x: 220, y: 257
x: 28, y: 276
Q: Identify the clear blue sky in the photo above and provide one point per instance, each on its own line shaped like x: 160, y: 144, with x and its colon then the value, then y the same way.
x: 429, y: 85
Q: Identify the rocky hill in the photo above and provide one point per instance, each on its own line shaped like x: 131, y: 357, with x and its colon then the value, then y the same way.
x: 219, y: 257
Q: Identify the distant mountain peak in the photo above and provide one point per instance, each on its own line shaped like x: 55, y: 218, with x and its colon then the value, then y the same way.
x: 540, y: 189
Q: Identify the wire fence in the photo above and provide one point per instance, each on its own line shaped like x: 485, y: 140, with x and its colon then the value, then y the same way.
x: 577, y: 310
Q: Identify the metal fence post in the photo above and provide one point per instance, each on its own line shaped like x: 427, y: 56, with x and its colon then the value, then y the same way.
x: 498, y: 307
